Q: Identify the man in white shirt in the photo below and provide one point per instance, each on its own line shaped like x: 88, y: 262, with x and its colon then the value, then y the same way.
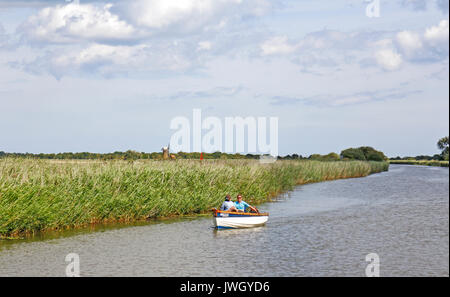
x: 228, y: 205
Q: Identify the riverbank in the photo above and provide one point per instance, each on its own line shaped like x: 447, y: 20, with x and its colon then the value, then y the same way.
x: 39, y: 195
x: 420, y: 162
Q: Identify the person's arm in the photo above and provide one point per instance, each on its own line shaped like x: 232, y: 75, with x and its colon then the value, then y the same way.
x: 251, y: 207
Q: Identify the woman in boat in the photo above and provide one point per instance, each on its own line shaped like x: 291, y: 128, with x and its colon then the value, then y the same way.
x: 228, y: 205
x: 241, y: 205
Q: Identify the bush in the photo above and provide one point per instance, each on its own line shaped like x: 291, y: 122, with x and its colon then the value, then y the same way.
x: 364, y: 153
x: 372, y: 156
x: 353, y: 154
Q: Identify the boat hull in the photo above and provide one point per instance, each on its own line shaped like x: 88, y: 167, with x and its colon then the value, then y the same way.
x: 233, y: 220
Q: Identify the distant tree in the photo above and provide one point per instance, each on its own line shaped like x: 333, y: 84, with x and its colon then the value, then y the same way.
x: 424, y: 157
x: 332, y: 157
x: 328, y: 157
x: 438, y: 157
x: 216, y: 155
x: 315, y: 157
x: 444, y: 147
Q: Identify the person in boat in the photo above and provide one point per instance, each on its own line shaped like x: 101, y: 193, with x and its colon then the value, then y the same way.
x: 242, y: 206
x: 228, y: 205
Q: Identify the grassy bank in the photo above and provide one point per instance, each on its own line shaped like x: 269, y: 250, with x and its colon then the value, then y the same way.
x: 421, y: 162
x: 40, y: 195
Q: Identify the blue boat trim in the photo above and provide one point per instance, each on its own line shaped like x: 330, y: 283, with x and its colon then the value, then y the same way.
x: 227, y: 215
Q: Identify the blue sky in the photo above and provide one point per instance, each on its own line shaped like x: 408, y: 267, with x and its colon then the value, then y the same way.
x: 103, y: 76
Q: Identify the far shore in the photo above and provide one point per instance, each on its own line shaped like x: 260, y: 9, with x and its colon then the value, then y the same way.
x: 435, y: 163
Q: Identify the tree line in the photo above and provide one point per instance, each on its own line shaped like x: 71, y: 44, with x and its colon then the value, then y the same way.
x: 442, y: 145
x: 362, y: 153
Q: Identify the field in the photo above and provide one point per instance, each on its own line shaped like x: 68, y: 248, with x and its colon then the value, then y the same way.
x: 37, y: 195
x: 421, y: 162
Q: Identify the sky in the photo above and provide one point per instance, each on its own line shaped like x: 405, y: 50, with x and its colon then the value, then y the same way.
x: 104, y: 76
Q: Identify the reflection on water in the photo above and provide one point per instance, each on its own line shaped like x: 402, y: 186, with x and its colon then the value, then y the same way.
x: 231, y: 233
x: 323, y: 229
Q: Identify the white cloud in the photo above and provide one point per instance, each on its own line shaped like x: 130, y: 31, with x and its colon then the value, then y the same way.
x: 138, y: 20
x: 321, y: 40
x: 162, y: 35
x: 190, y: 16
x: 98, y: 53
x: 345, y: 98
x: 277, y: 45
x: 204, y: 45
x: 438, y: 34
x: 179, y: 34
x: 324, y: 49
x: 161, y: 14
x: 429, y: 45
x: 72, y: 22
x: 409, y: 41
x: 333, y: 49
x: 388, y: 59
x: 110, y: 61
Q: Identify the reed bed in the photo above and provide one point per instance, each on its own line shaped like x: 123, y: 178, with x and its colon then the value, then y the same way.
x: 38, y: 195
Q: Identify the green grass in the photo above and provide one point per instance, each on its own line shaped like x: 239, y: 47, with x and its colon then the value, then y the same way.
x: 38, y: 195
x: 421, y: 162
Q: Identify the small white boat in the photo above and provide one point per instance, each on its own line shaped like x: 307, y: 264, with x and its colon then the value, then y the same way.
x: 231, y: 219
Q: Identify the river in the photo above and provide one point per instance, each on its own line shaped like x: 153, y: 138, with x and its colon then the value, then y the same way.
x: 323, y: 229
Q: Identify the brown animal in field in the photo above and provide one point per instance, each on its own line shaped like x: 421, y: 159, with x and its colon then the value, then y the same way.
x: 173, y: 157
